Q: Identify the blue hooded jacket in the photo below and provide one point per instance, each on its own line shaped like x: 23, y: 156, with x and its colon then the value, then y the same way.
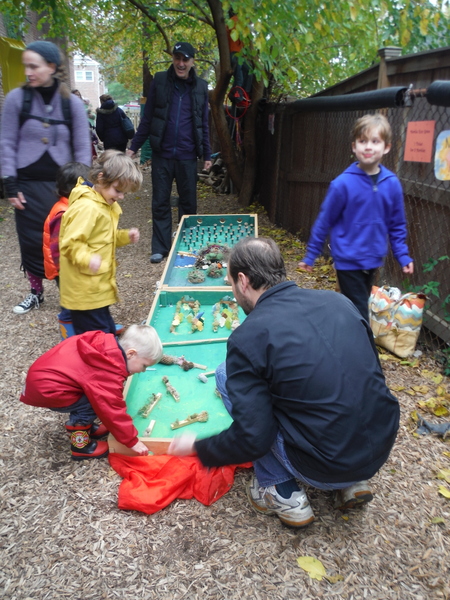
x: 361, y: 217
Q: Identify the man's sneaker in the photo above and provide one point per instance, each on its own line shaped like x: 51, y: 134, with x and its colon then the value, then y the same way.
x: 33, y: 300
x: 353, y: 496
x: 156, y: 258
x: 294, y: 511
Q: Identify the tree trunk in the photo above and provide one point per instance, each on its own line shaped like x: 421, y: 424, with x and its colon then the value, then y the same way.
x: 217, y: 95
x: 248, y: 184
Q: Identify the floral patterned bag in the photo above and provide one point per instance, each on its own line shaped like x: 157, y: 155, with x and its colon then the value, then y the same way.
x: 396, y: 319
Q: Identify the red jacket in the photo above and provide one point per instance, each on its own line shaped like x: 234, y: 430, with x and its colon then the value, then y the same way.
x: 93, y: 364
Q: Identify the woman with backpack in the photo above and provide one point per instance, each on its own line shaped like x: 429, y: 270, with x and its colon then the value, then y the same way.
x: 43, y: 127
x: 108, y: 124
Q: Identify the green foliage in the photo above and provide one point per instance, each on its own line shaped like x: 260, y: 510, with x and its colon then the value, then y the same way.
x: 431, y: 288
x: 295, y: 46
x: 119, y: 92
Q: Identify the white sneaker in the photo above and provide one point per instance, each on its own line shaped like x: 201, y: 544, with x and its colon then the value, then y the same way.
x: 33, y: 300
x: 294, y: 511
x: 354, y: 496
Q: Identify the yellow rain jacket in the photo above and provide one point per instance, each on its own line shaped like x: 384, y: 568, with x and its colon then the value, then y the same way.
x: 89, y: 226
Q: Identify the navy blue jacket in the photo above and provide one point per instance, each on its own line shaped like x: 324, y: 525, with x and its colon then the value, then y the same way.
x: 176, y: 117
x: 304, y: 362
x: 361, y: 216
x: 108, y: 125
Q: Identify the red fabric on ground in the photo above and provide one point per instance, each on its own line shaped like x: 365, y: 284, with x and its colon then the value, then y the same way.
x: 151, y: 483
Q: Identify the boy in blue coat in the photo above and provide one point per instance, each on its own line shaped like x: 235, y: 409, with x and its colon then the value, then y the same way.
x: 362, y: 209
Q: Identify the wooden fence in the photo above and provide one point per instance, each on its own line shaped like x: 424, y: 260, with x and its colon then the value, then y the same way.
x: 303, y: 149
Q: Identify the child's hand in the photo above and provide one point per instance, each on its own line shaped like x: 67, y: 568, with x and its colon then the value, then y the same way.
x: 140, y: 448
x: 95, y: 262
x: 134, y: 235
x: 304, y: 267
x: 409, y: 269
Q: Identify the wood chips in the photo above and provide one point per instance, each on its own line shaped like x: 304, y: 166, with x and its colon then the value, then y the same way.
x: 62, y: 535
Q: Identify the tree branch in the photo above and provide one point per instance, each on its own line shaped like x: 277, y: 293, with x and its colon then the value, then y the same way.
x: 191, y: 15
x: 145, y: 12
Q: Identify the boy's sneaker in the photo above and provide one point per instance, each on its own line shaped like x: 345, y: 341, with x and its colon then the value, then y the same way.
x: 294, y: 511
x: 33, y: 300
x: 353, y: 496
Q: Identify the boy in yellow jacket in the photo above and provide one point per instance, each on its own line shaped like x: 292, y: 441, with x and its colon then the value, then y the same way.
x: 88, y: 240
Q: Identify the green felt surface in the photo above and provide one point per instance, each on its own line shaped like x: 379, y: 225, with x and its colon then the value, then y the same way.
x: 199, y: 231
x: 195, y: 396
x: 165, y: 308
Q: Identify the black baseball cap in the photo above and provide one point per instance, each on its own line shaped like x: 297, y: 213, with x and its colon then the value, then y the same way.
x: 184, y: 48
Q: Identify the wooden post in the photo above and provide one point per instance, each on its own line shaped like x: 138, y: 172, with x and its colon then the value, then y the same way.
x: 386, y: 53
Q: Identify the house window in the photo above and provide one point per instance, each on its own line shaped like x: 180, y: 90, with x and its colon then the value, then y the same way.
x: 84, y: 75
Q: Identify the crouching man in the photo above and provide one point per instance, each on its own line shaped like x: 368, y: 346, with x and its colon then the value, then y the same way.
x: 305, y: 388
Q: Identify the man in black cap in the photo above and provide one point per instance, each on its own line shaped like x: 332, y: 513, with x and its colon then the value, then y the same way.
x: 176, y: 122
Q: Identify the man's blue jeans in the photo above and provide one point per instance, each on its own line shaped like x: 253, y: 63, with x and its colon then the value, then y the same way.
x: 274, y: 467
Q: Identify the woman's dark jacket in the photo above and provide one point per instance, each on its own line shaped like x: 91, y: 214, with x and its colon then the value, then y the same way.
x: 108, y: 126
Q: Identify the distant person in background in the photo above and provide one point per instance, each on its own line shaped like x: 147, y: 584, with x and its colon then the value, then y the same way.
x: 33, y: 145
x: 176, y: 122
x: 109, y: 124
x: 91, y: 118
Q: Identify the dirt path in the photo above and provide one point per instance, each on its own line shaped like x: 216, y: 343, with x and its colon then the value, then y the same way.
x: 62, y: 535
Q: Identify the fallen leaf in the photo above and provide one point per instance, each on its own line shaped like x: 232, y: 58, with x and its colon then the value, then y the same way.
x: 429, y: 404
x: 443, y: 491
x: 437, y: 378
x: 334, y: 578
x: 444, y: 474
x: 397, y: 388
x: 345, y: 517
x: 437, y: 520
x: 128, y: 275
x: 440, y: 411
x: 440, y: 390
x: 414, y: 416
x: 421, y: 389
x: 385, y: 357
x: 312, y: 566
x: 410, y: 392
x: 409, y: 363
x: 427, y: 374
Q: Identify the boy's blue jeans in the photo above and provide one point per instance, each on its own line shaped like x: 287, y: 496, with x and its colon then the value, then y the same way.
x: 274, y: 467
x: 81, y: 412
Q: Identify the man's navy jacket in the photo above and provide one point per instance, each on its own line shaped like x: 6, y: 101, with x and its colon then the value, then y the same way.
x: 304, y: 363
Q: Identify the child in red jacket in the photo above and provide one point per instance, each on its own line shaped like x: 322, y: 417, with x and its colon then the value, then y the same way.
x: 66, y: 180
x: 84, y: 375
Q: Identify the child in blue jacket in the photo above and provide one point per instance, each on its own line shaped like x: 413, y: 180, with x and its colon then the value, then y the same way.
x: 362, y: 209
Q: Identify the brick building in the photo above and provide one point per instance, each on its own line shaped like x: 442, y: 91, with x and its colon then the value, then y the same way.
x: 85, y: 76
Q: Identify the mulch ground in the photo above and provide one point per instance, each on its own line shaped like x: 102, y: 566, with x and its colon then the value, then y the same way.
x: 62, y: 535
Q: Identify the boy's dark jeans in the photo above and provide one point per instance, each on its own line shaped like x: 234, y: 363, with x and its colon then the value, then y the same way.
x: 81, y: 412
x: 356, y: 285
x: 96, y: 319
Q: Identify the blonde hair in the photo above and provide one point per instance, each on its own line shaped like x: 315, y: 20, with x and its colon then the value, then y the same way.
x: 368, y: 122
x: 112, y: 166
x: 145, y: 340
